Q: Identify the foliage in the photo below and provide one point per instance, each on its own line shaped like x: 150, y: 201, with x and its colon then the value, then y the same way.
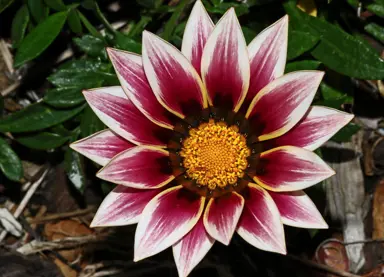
x: 327, y: 42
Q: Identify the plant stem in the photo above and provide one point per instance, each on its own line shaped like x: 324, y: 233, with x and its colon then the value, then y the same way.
x: 103, y: 19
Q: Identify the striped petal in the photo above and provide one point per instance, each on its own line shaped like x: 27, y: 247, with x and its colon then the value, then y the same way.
x: 102, y: 146
x: 290, y: 168
x: 130, y: 71
x: 298, y: 210
x: 282, y: 103
x: 123, y: 206
x: 174, y: 81
x: 197, y: 31
x: 142, y: 167
x: 317, y: 126
x: 260, y: 223
x: 221, y: 216
x: 116, y: 111
x: 225, y: 64
x: 165, y: 220
x: 192, y: 248
x: 268, y: 54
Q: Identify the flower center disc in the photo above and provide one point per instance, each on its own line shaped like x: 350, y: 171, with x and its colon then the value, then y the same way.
x: 215, y: 155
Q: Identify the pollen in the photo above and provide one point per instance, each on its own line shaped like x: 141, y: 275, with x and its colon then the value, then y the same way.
x: 215, y: 155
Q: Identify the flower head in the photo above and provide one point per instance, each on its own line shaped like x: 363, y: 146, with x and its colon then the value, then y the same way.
x: 210, y: 140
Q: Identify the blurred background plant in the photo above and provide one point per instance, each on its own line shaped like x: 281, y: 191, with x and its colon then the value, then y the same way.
x: 51, y: 50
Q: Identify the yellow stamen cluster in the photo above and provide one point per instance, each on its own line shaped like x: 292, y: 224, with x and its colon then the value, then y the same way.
x: 215, y: 155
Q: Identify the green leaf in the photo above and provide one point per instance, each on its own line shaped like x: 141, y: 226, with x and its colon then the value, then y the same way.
x: 90, y: 123
x: 299, y: 43
x: 42, y: 141
x: 36, y: 117
x: 64, y: 97
x: 74, y: 167
x: 337, y: 49
x: 86, y: 65
x: 375, y: 30
x: 249, y: 34
x: 376, y: 9
x: 91, y: 45
x: 346, y: 133
x: 302, y: 65
x: 4, y: 4
x: 10, y: 163
x: 82, y: 79
x: 92, y: 30
x: 124, y: 42
x: 40, y: 38
x: 74, y: 22
x: 38, y: 10
x: 57, y: 5
x: 172, y: 22
x: 19, y: 25
x: 330, y: 93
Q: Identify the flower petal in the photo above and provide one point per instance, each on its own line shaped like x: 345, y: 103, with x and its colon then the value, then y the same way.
x: 297, y: 209
x: 192, y: 248
x: 130, y: 71
x: 290, y: 168
x: 197, y: 31
x: 142, y: 167
x: 260, y: 223
x: 221, y: 216
x: 165, y: 220
x: 102, y: 146
x: 317, y: 126
x: 174, y: 81
x: 225, y: 63
x: 282, y: 103
x: 267, y: 54
x: 113, y: 107
x: 123, y: 206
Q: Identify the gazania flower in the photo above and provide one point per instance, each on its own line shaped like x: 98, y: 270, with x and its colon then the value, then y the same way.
x: 210, y: 140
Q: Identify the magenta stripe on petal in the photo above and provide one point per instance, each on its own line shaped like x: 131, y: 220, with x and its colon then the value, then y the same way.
x: 165, y: 220
x: 192, y: 248
x: 101, y: 147
x: 268, y: 54
x: 298, y: 210
x: 123, y: 206
x: 225, y: 63
x: 174, y: 81
x: 129, y: 69
x: 197, y: 31
x: 221, y: 216
x: 141, y: 167
x: 290, y: 168
x: 282, y: 103
x: 113, y: 107
x: 260, y: 223
x: 317, y: 126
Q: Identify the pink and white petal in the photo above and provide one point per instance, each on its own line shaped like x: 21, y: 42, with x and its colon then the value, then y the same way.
x: 192, y: 248
x: 222, y: 215
x: 260, y: 224
x: 267, y: 54
x: 298, y: 210
x: 282, y: 103
x: 102, y: 146
x: 130, y: 71
x: 116, y: 111
x: 123, y: 206
x: 173, y: 79
x: 290, y: 168
x: 317, y: 126
x: 141, y: 167
x: 225, y: 63
x: 165, y: 220
x: 197, y: 31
